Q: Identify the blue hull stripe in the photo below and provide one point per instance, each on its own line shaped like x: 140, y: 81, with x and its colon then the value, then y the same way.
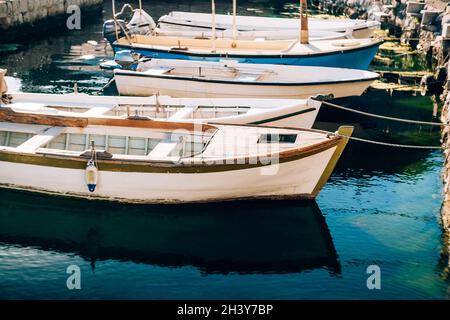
x: 353, y: 59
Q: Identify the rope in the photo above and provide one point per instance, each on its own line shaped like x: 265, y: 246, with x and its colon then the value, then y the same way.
x: 106, y: 85
x: 388, y: 118
x: 407, y: 146
x: 385, y: 117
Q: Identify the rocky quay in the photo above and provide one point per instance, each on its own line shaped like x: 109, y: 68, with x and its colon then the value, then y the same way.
x: 22, y: 19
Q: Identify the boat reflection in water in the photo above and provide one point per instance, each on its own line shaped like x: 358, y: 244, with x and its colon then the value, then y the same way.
x: 235, y: 237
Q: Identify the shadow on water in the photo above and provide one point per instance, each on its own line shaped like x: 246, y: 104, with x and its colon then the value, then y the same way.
x: 364, y: 159
x: 234, y: 237
x: 252, y: 237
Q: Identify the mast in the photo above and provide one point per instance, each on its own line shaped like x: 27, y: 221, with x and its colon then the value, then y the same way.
x: 115, y: 19
x: 234, y: 23
x: 304, y: 34
x: 213, y: 9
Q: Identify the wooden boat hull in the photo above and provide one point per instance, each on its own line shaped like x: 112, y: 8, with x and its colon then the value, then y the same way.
x: 357, y: 58
x: 270, y: 112
x: 141, y: 84
x: 299, y: 176
x: 140, y: 160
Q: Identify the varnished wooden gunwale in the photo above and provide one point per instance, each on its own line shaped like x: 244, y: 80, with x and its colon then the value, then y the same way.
x: 139, y: 165
x: 144, y: 166
x: 9, y: 115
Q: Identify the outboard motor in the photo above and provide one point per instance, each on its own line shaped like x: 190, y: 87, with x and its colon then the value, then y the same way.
x: 109, y: 29
x: 127, y: 59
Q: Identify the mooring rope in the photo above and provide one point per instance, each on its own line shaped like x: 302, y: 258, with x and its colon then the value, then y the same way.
x: 385, y: 117
x: 387, y: 144
x: 106, y: 85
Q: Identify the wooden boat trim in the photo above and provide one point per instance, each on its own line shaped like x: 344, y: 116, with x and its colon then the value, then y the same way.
x: 151, y: 124
x: 95, y: 197
x: 246, y: 83
x: 345, y: 132
x: 9, y: 115
x: 149, y: 166
x: 285, y: 116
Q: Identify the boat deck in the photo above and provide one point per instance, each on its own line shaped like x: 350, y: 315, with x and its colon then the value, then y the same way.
x: 154, y: 144
x: 250, y: 47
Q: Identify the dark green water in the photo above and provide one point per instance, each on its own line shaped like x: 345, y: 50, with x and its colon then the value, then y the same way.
x: 381, y: 207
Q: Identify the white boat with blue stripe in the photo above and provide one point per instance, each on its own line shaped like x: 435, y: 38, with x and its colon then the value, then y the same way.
x: 181, y: 78
x: 302, y: 50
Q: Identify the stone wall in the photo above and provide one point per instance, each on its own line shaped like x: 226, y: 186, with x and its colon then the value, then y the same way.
x: 15, y: 13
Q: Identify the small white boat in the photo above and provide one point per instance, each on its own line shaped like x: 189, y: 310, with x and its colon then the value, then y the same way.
x: 182, y: 20
x: 184, y: 78
x: 139, y: 36
x: 341, y: 53
x: 145, y: 161
x: 273, y: 112
x: 142, y: 23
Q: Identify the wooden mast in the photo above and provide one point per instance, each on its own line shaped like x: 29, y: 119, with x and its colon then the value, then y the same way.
x: 213, y: 16
x: 234, y: 25
x: 3, y: 84
x: 304, y: 34
x: 115, y: 19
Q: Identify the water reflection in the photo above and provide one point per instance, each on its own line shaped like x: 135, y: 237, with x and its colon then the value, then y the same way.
x: 235, y: 237
x: 381, y: 204
x: 54, y: 66
x: 363, y: 160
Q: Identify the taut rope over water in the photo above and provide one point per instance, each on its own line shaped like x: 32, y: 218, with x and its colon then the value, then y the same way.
x: 385, y: 117
x: 396, y: 145
x: 387, y: 144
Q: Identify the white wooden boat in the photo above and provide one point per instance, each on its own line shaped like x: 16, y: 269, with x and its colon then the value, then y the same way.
x: 341, y: 53
x: 142, y: 23
x: 182, y: 20
x: 273, y: 112
x: 147, y: 161
x: 139, y: 36
x: 183, y: 78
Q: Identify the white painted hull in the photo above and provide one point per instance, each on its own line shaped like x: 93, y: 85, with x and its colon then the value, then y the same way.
x: 146, y: 86
x: 270, y: 112
x: 296, y: 179
x: 202, y: 21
